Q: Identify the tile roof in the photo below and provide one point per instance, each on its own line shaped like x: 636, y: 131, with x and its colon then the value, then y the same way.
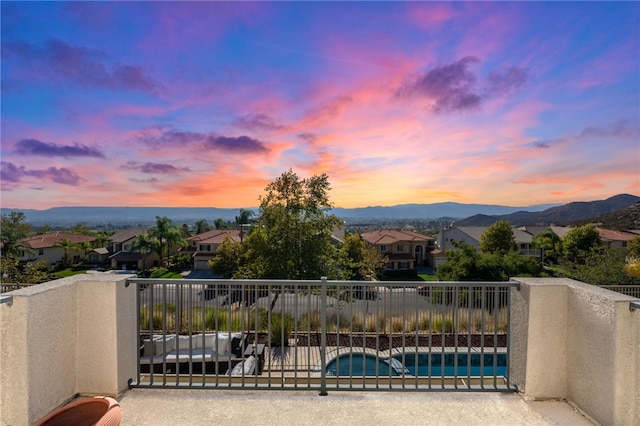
x: 216, y: 236
x: 126, y: 234
x: 390, y: 236
x: 50, y: 239
x: 608, y: 234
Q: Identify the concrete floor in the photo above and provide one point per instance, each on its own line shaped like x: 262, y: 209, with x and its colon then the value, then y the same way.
x: 157, y: 407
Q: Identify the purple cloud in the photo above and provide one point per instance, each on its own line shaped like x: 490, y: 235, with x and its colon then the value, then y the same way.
x: 257, y: 122
x: 506, y: 80
x: 621, y: 128
x: 168, y: 136
x: 154, y: 168
x: 546, y: 143
x: 59, y: 61
x: 455, y: 87
x: 309, y: 137
x: 235, y: 144
x: 36, y: 147
x: 9, y: 172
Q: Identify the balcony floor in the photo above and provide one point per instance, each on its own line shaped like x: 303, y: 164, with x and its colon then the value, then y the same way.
x: 205, y: 407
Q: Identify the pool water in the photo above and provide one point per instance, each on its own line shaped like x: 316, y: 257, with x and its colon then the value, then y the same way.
x: 435, y: 364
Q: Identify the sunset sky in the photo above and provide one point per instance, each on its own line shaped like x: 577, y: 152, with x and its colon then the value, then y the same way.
x: 203, y: 104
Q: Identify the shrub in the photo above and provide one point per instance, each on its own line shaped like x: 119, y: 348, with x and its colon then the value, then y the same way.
x: 281, y: 328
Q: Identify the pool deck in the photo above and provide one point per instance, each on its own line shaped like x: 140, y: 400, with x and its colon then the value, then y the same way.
x: 160, y: 407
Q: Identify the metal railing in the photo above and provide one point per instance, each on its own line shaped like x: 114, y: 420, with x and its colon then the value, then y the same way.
x: 7, y: 287
x: 323, y: 335
x: 629, y: 290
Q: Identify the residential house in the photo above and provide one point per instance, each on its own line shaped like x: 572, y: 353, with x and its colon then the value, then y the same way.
x: 98, y: 256
x: 46, y: 247
x: 404, y: 249
x: 472, y: 235
x: 123, y: 257
x: 204, y: 246
x: 615, y: 239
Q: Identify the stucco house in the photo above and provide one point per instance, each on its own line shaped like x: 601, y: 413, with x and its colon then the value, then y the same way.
x: 204, y: 246
x: 404, y: 249
x: 46, y: 247
x: 615, y: 239
x: 472, y: 235
x: 123, y: 257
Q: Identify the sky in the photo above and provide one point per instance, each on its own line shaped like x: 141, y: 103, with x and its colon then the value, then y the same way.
x: 203, y: 104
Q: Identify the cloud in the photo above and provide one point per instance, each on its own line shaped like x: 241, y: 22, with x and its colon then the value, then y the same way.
x: 59, y: 61
x: 309, y: 137
x: 154, y: 168
x: 231, y: 144
x: 9, y: 172
x: 36, y: 147
x: 622, y: 128
x: 455, y: 86
x: 257, y: 122
x: 544, y: 144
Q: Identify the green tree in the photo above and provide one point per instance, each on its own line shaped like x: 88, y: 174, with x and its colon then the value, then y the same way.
x: 604, y: 266
x: 228, y: 258
x: 165, y: 235
x: 81, y: 228
x: 579, y: 242
x: 66, y: 245
x: 297, y: 228
x: 85, y: 247
x: 243, y: 219
x: 13, y: 229
x: 175, y: 238
x: 31, y: 273
x: 550, y: 244
x: 498, y: 238
x: 101, y: 240
x: 143, y: 243
x: 632, y: 261
x: 202, y: 226
x: 220, y: 223
x: 358, y: 260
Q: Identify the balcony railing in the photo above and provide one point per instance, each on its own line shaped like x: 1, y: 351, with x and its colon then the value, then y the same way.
x: 323, y: 335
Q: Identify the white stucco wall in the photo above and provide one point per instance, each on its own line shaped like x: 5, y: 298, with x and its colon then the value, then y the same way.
x: 582, y: 343
x: 63, y: 338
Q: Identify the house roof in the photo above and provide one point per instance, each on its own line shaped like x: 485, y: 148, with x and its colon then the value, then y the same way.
x: 534, y: 230
x: 50, y: 239
x: 476, y: 232
x: 216, y: 236
x: 610, y: 235
x: 391, y: 236
x: 126, y: 234
x: 101, y: 250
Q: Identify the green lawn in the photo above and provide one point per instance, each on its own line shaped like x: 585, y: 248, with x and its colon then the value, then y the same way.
x: 428, y: 277
x: 67, y: 273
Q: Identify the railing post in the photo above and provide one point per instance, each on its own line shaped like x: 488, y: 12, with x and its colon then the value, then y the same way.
x: 323, y: 336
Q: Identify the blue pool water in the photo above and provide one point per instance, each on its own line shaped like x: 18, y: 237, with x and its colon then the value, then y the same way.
x: 475, y: 364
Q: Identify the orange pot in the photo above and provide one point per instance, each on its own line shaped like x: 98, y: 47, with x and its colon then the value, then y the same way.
x: 97, y: 411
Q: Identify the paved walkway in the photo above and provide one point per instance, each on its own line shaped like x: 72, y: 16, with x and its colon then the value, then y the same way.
x: 158, y: 407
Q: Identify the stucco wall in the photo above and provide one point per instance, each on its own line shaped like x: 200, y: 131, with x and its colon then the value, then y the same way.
x: 582, y: 344
x: 62, y: 338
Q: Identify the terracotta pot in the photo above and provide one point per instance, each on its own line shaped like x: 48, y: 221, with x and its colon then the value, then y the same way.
x: 98, y: 411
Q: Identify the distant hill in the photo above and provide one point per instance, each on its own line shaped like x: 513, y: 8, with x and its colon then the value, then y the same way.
x: 619, y: 220
x: 144, y: 216
x: 567, y: 214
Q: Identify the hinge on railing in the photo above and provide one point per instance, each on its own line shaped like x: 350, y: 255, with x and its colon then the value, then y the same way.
x: 634, y: 305
x: 6, y: 299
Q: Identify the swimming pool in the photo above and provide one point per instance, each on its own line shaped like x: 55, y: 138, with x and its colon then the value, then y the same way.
x: 422, y: 364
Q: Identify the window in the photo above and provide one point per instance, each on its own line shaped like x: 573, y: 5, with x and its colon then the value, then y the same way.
x: 400, y: 247
x: 383, y: 247
x: 41, y: 252
x: 205, y: 247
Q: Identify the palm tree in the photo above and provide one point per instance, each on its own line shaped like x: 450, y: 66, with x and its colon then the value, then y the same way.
x: 241, y: 220
x: 220, y: 223
x: 159, y: 234
x: 144, y: 244
x: 175, y: 237
x: 85, y: 247
x: 65, y: 244
x: 202, y: 226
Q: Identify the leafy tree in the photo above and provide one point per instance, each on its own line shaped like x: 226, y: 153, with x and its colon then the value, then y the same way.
x: 550, y: 244
x: 228, y: 258
x: 31, y: 273
x: 605, y: 266
x: 498, y: 238
x: 81, y: 228
x: 243, y: 219
x: 202, y: 226
x: 166, y: 235
x: 632, y: 261
x: 297, y: 228
x: 101, y: 240
x: 13, y: 229
x: 580, y: 242
x: 358, y: 260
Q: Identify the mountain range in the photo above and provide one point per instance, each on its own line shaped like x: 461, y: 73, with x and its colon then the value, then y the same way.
x: 475, y: 214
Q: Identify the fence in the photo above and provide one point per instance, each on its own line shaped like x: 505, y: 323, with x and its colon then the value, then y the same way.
x: 7, y: 287
x: 629, y: 290
x: 323, y: 335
